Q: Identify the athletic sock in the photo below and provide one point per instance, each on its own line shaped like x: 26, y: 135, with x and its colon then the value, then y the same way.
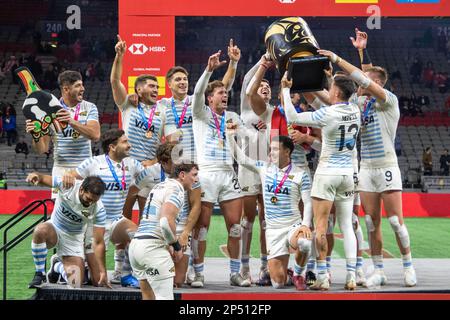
x: 39, y: 252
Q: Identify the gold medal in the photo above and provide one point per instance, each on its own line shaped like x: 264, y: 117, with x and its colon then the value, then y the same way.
x: 220, y: 143
x: 149, y: 134
x: 75, y: 134
x: 274, y: 200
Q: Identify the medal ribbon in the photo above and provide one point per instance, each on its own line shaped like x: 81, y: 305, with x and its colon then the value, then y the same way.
x: 113, y: 171
x: 220, y: 128
x: 163, y: 175
x: 150, y: 117
x: 367, y: 106
x: 77, y: 110
x: 179, y: 120
x: 283, y: 180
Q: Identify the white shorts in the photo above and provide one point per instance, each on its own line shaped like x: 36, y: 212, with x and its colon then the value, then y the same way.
x: 110, y: 225
x: 250, y: 182
x: 151, y: 261
x: 219, y: 186
x: 380, y: 179
x: 333, y: 188
x: 58, y: 172
x: 69, y: 245
x: 278, y: 240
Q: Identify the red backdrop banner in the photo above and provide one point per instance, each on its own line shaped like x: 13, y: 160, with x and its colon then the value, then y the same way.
x: 414, y: 204
x: 329, y: 8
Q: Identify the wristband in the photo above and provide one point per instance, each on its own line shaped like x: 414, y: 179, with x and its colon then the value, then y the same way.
x: 233, y: 64
x: 364, y: 56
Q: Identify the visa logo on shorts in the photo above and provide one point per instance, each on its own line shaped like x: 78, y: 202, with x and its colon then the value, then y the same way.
x: 418, y: 1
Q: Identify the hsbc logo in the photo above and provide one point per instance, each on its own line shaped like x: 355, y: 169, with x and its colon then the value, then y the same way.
x: 139, y: 48
x: 287, y: 1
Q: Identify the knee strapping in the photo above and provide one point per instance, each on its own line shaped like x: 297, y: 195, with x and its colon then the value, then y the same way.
x: 202, y: 233
x: 304, y: 245
x: 400, y: 230
x: 369, y: 223
x: 235, y: 231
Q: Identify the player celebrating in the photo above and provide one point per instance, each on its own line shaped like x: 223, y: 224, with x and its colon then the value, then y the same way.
x: 380, y: 177
x: 217, y: 176
x: 333, y: 179
x: 76, y: 207
x: 284, y: 186
x: 73, y: 144
x: 150, y: 257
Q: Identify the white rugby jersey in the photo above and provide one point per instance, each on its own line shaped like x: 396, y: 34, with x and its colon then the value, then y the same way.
x: 173, y: 121
x: 114, y: 197
x: 70, y: 216
x: 340, y: 124
x: 135, y: 127
x: 70, y: 148
x: 299, y: 154
x: 378, y: 130
x: 210, y: 155
x: 250, y: 119
x: 168, y: 191
x: 153, y: 175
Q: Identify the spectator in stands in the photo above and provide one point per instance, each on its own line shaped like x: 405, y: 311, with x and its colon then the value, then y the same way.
x: 416, y: 70
x: 9, y: 125
x: 51, y: 78
x: 441, y: 41
x: 10, y: 66
x: 412, y: 105
x: 421, y: 103
x: 90, y: 72
x: 403, y: 103
x: 398, y: 145
x: 427, y: 160
x: 99, y: 71
x: 428, y: 75
x: 445, y: 163
x: 441, y: 80
x: 22, y: 147
x: 76, y: 49
x: 396, y: 75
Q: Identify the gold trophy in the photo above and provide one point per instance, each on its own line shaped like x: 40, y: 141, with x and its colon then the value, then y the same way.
x: 291, y: 44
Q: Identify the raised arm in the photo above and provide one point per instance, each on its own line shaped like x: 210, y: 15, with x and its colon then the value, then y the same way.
x: 360, y: 43
x: 37, y: 178
x: 118, y: 89
x: 244, y: 100
x: 234, y: 53
x: 198, y: 101
x: 256, y: 102
x: 357, y: 75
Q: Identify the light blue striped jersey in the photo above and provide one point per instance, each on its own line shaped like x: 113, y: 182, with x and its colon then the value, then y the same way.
x: 170, y: 191
x: 114, y: 197
x: 186, y: 131
x: 299, y: 154
x: 340, y: 124
x: 69, y: 147
x: 285, y: 211
x: 142, y: 147
x: 150, y: 177
x: 210, y: 155
x: 378, y: 130
x: 70, y: 216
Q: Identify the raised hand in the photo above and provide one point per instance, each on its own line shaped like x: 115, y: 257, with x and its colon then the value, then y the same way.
x: 234, y: 53
x: 33, y: 178
x: 361, y: 40
x: 121, y: 46
x: 333, y: 56
x: 285, y: 83
x: 214, y: 62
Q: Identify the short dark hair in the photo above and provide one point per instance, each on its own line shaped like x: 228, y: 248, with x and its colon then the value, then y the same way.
x: 68, y: 77
x: 345, y: 85
x: 143, y: 79
x: 94, y: 185
x: 182, y: 167
x: 213, y: 85
x: 266, y: 81
x: 174, y: 70
x: 164, y: 151
x: 111, y: 136
x: 285, y: 141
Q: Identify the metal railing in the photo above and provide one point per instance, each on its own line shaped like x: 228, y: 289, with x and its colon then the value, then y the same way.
x: 7, y: 225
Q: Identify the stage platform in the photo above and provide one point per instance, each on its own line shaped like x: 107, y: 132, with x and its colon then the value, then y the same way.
x: 432, y: 274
